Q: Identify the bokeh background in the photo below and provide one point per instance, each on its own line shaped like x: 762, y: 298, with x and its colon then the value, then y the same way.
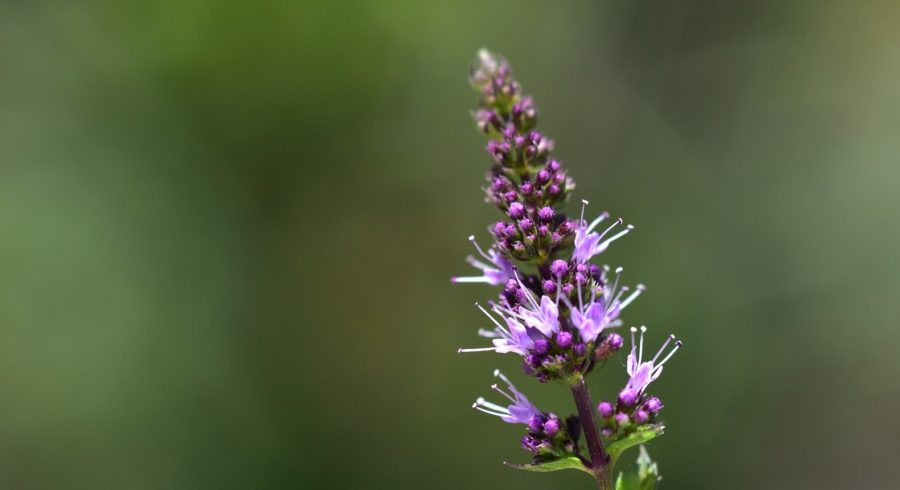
x: 228, y: 228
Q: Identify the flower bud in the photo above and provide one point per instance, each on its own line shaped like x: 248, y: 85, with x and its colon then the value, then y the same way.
x: 541, y: 346
x: 628, y: 397
x: 608, y: 431
x: 579, y: 350
x: 536, y: 423
x: 653, y: 405
x: 622, y: 419
x: 546, y: 213
x: 641, y: 417
x: 563, y: 339
x: 614, y: 341
x: 516, y: 210
x: 559, y: 267
x: 543, y: 177
x: 605, y: 409
x: 549, y: 287
x: 551, y: 426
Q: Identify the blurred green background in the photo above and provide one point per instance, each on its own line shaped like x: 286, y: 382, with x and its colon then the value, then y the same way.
x: 228, y: 228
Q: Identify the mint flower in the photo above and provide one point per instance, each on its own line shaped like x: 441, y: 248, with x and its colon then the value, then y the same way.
x: 643, y: 373
x: 520, y: 411
x: 555, y: 309
x: 588, y: 242
x: 498, y: 272
x: 598, y: 314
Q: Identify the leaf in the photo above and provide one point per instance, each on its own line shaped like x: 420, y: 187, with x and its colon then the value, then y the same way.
x: 643, y: 434
x: 642, y: 476
x: 568, y: 463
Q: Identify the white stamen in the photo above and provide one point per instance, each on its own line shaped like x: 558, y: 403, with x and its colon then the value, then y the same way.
x: 470, y: 279
x: 615, y: 237
x: 480, y: 349
x: 674, y: 350
x: 584, y: 204
x: 491, y: 334
x: 478, y: 247
x: 641, y: 348
x: 489, y: 412
x: 596, y: 222
x: 500, y: 390
x: 637, y: 292
x: 492, y: 318
x: 661, y: 349
x: 481, y: 402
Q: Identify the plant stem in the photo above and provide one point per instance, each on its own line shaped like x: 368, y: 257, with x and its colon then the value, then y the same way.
x: 599, y: 458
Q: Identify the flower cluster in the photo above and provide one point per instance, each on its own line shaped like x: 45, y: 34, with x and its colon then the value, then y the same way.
x: 634, y: 406
x: 556, y: 309
x: 546, y: 435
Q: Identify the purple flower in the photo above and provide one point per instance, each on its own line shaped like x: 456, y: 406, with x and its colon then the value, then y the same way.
x: 598, y: 314
x: 589, y: 243
x: 498, y: 272
x: 643, y: 373
x: 515, y: 337
x: 520, y: 411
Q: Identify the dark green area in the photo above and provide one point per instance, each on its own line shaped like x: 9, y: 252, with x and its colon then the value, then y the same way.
x: 227, y: 231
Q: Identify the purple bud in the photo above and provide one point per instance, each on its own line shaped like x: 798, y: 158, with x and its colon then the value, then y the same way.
x: 525, y: 224
x: 559, y: 177
x: 511, y: 196
x: 526, y: 188
x: 533, y: 360
x: 566, y: 227
x: 509, y: 132
x: 608, y: 431
x: 530, y: 444
x: 554, y: 190
x: 499, y: 229
x: 519, y: 140
x: 541, y: 346
x: 614, y: 341
x: 516, y: 210
x: 653, y: 405
x: 536, y: 423
x: 546, y: 213
x: 519, y: 247
x: 522, y: 296
x: 568, y: 289
x: 511, y: 230
x: 622, y: 418
x: 579, y: 278
x: 551, y: 426
x: 544, y: 230
x: 563, y: 338
x: 641, y: 417
x: 628, y: 397
x: 559, y: 267
x: 553, y: 165
x: 543, y: 177
x: 579, y: 349
x: 511, y: 285
x: 548, y: 286
x: 581, y: 268
x: 555, y: 238
x: 606, y: 409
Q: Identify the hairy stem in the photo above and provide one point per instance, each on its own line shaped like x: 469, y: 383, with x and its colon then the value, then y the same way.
x: 599, y: 458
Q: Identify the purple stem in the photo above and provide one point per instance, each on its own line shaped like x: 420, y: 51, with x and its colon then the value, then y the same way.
x: 599, y: 458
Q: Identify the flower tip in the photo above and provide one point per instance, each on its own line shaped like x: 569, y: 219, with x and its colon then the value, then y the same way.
x: 679, y: 344
x: 452, y: 280
x: 459, y: 351
x: 471, y: 238
x: 630, y: 227
x: 643, y: 328
x: 640, y: 287
x: 633, y: 329
x: 585, y: 202
x: 497, y: 372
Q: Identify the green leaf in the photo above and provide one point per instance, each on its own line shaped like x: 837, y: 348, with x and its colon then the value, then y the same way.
x: 642, y: 476
x: 643, y: 434
x: 568, y: 463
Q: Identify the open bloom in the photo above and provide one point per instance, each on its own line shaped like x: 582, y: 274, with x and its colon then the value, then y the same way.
x: 643, y: 373
x: 525, y: 323
x: 519, y: 411
x: 601, y: 313
x: 497, y: 271
x: 588, y: 242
